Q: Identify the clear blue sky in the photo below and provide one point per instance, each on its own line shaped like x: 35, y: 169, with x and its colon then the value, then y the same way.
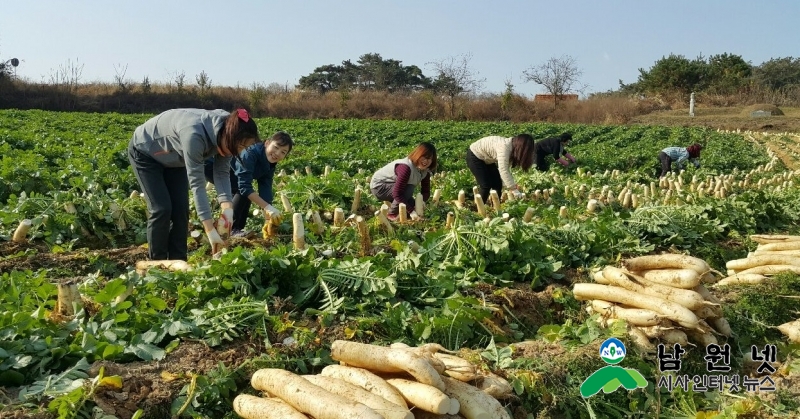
x: 242, y: 42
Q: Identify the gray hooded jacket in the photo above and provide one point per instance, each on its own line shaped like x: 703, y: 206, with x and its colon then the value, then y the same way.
x: 187, y: 138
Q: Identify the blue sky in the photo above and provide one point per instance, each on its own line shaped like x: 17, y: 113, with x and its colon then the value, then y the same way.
x: 245, y: 42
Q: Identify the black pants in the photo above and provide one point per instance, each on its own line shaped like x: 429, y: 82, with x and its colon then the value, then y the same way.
x: 666, y: 163
x: 167, y: 193
x: 487, y: 175
x: 542, y: 164
x: 241, y: 204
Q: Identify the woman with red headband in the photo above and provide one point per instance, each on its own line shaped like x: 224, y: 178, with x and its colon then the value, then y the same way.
x: 168, y: 154
x: 679, y: 156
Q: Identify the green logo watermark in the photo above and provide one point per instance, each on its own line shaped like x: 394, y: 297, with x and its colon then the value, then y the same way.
x: 610, y: 377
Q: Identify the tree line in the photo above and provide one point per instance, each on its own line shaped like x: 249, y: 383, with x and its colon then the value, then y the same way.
x: 718, y: 74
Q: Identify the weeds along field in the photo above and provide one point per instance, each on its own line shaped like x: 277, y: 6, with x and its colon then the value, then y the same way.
x: 493, y: 282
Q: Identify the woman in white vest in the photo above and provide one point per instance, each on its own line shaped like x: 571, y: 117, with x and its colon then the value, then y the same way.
x: 397, y: 181
x: 490, y: 160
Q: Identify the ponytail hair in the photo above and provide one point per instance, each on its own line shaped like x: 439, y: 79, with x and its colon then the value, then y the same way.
x: 239, y: 127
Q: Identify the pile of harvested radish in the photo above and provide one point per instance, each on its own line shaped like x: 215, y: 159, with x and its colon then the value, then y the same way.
x: 660, y: 297
x: 774, y: 254
x: 397, y: 382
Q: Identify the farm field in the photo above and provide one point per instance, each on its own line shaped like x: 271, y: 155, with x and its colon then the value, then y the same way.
x: 497, y: 287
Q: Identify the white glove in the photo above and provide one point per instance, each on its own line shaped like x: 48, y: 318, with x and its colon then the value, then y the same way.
x: 215, y: 240
x: 272, y: 214
x: 517, y: 194
x: 225, y: 222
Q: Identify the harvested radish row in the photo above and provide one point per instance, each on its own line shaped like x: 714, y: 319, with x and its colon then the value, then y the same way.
x: 667, y: 261
x: 475, y: 404
x: 378, y: 358
x: 366, y: 380
x: 665, y: 302
x: 668, y: 309
x: 355, y: 393
x: 307, y: 397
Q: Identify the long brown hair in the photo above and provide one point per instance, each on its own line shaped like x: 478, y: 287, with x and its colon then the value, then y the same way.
x: 522, y: 151
x: 424, y: 149
x: 239, y: 127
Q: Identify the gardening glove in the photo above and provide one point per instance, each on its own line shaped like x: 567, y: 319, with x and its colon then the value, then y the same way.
x: 215, y: 240
x: 225, y: 222
x: 572, y: 159
x: 273, y: 214
x: 563, y: 162
x: 517, y: 194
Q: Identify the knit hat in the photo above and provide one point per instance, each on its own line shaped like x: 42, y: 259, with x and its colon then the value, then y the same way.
x: 565, y: 137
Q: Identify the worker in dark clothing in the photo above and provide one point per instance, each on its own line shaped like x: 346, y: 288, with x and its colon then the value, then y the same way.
x: 555, y: 146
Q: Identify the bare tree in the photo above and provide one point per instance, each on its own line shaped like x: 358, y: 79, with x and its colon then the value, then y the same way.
x: 559, y: 75
x: 68, y: 74
x: 454, y: 77
x: 119, y: 77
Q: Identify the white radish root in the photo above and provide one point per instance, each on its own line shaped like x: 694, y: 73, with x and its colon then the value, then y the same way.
x: 791, y: 330
x: 422, y: 396
x: 366, y: 380
x: 668, y: 309
x: 253, y: 407
x: 355, y: 393
x: 475, y: 404
x: 667, y: 261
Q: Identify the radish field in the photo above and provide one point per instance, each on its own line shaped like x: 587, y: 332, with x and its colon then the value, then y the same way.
x: 493, y: 281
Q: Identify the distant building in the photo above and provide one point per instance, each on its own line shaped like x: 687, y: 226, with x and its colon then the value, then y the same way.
x: 550, y: 98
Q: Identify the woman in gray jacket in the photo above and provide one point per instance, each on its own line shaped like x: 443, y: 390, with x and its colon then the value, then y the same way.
x: 168, y: 153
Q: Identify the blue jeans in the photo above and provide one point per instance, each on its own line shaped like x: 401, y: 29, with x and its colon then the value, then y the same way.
x: 167, y: 193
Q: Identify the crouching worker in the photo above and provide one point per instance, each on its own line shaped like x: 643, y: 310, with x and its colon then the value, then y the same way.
x: 397, y: 181
x: 679, y: 156
x: 256, y: 162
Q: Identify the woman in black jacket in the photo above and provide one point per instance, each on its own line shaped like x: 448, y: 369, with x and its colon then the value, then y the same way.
x: 555, y: 146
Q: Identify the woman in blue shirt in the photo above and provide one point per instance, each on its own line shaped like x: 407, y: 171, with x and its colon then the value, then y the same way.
x: 258, y: 163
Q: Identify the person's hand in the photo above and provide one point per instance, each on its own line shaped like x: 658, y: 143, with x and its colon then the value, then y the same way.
x: 273, y: 214
x: 563, y: 162
x: 225, y: 222
x: 215, y: 240
x: 517, y: 194
x: 571, y: 158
